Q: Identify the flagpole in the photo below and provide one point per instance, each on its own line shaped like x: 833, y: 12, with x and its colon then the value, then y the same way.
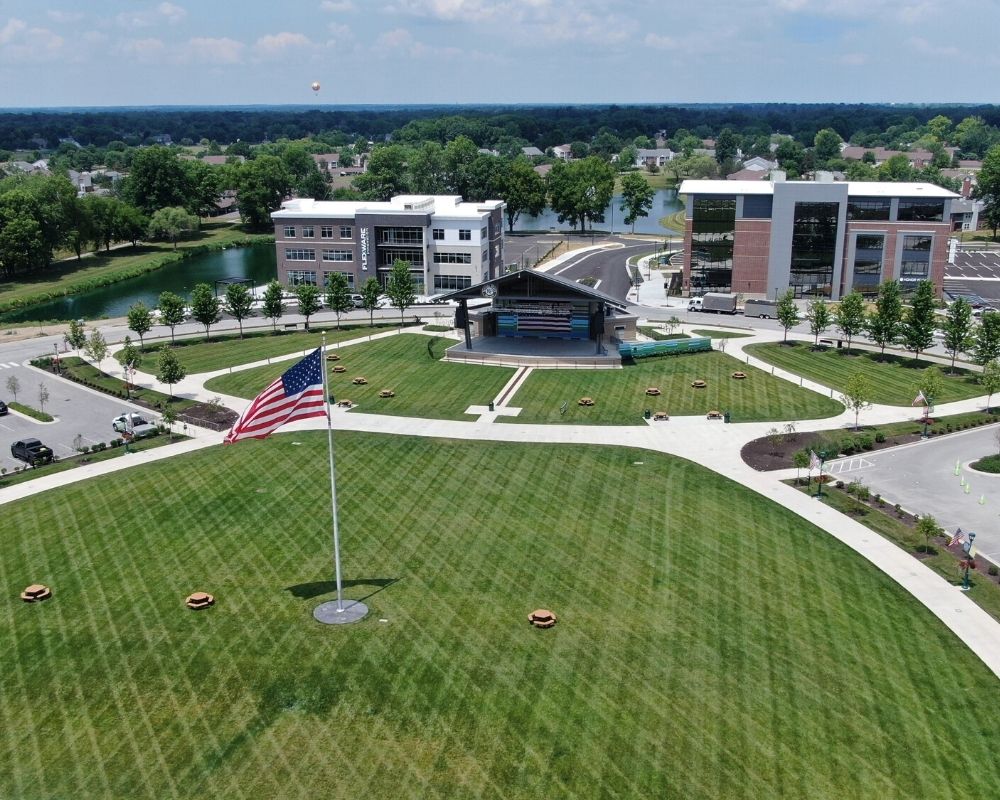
x: 333, y: 481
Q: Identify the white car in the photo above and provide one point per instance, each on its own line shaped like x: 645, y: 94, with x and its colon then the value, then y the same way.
x: 140, y: 425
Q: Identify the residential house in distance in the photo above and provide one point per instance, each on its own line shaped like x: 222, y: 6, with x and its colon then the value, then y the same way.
x: 218, y: 161
x: 327, y: 162
x: 449, y: 244
x: 563, y: 152
x: 917, y: 158
x: 754, y: 169
x: 818, y: 238
x: 531, y: 152
x: 654, y: 157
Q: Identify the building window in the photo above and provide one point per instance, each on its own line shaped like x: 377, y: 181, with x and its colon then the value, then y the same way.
x: 399, y: 235
x: 451, y: 282
x: 346, y: 231
x: 920, y: 211
x: 814, y: 248
x: 868, y: 249
x: 465, y: 235
x: 713, y: 226
x: 300, y: 277
x: 484, y: 234
x: 348, y: 275
x: 876, y: 208
x: 299, y: 255
x: 307, y: 232
x: 438, y: 234
x: 289, y: 231
x: 453, y: 258
x: 915, y: 263
x: 388, y: 256
x: 338, y: 255
x: 326, y: 232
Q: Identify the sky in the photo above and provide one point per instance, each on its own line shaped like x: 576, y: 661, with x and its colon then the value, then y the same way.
x: 234, y: 52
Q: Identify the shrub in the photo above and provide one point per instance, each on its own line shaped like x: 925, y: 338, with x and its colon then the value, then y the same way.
x: 879, y: 437
x: 867, y: 442
x: 839, y: 484
x: 898, y: 509
x: 992, y: 569
x: 948, y: 427
x: 863, y: 492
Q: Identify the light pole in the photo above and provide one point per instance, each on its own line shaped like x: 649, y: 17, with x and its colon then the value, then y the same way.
x: 819, y: 478
x: 967, y: 547
x: 927, y: 412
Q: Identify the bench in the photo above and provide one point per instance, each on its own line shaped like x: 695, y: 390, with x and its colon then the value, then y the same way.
x: 291, y: 326
x: 661, y: 416
x: 715, y: 414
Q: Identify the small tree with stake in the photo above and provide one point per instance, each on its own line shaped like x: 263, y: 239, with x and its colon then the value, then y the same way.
x: 140, y: 320
x: 338, y: 295
x: 400, y: 287
x: 990, y: 380
x: 370, y: 292
x: 788, y: 312
x: 131, y: 357
x: 850, y: 317
x: 43, y: 396
x: 76, y: 337
x: 309, y: 300
x: 169, y: 370
x: 958, y: 330
x: 801, y: 461
x: 918, y: 324
x: 238, y: 303
x: 96, y: 349
x: 857, y: 395
x: 205, y: 306
x: 171, y: 311
x: 273, y: 303
x: 928, y: 527
x: 818, y: 316
x: 13, y: 386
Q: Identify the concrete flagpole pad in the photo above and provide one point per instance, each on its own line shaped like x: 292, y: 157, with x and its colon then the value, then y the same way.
x: 353, y: 611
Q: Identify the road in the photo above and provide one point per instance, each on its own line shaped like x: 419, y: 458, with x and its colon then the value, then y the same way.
x: 608, y: 267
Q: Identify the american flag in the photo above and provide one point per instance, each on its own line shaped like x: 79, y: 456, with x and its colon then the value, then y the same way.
x: 920, y: 399
x: 297, y: 394
x: 814, y: 462
x: 958, y: 537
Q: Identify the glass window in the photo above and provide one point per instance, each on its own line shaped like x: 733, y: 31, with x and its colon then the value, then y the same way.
x: 326, y: 231
x: 484, y: 233
x: 307, y: 232
x: 915, y: 263
x: 438, y: 234
x: 452, y: 282
x: 289, y: 231
x: 338, y: 255
x: 869, y: 208
x: 346, y: 231
x: 465, y: 235
x: 298, y: 277
x: 299, y: 254
x: 713, y: 226
x: 388, y: 255
x: 920, y: 210
x: 814, y: 249
x: 348, y: 275
x: 452, y: 258
x: 868, y: 249
x: 399, y: 235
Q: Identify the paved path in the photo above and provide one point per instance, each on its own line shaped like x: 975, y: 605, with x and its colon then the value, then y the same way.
x: 711, y: 444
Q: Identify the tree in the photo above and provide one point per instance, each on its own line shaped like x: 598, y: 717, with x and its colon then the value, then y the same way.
x: 928, y: 527
x: 885, y: 322
x: 727, y: 145
x: 958, y: 329
x: 205, y: 181
x: 205, y: 306
x: 140, y: 320
x: 170, y: 223
x: 523, y: 191
x: 309, y: 300
x: 273, y: 304
x: 581, y: 190
x: 800, y: 461
x: 987, y: 334
x: 370, y: 292
x: 128, y: 223
x: 826, y: 146
x: 169, y: 370
x: 76, y: 337
x: 157, y: 179
x: 261, y: 185
x: 850, y: 317
x: 857, y: 395
x: 169, y: 417
x: 238, y: 303
x: 386, y: 174
x: 171, y: 311
x: 637, y: 198
x: 13, y: 386
x: 988, y: 187
x: 96, y: 348
x: 989, y: 378
x: 43, y: 395
x: 131, y: 358
x: 918, y: 323
x: 788, y: 312
x: 400, y: 288
x: 338, y: 294
x: 930, y: 384
x: 818, y: 316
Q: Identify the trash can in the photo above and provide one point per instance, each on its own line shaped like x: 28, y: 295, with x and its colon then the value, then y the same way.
x: 725, y: 416
x: 647, y: 414
x: 333, y: 400
x: 491, y: 405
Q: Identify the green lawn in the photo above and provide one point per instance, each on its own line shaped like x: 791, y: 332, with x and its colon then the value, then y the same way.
x: 700, y: 653
x: 720, y: 334
x: 424, y: 385
x: 220, y: 352
x: 89, y: 375
x: 620, y: 397
x: 894, y: 380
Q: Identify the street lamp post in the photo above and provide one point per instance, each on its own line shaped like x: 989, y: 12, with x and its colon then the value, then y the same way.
x: 927, y: 412
x: 819, y: 478
x: 967, y: 547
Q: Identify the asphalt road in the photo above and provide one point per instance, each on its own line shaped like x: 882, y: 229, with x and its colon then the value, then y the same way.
x: 608, y: 267
x: 975, y: 275
x: 921, y: 478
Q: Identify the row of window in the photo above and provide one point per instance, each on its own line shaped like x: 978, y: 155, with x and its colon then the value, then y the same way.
x: 325, y: 232
x: 907, y: 210
x: 452, y: 282
x: 915, y: 262
x: 305, y: 254
x: 300, y: 277
x: 464, y: 234
x: 453, y: 258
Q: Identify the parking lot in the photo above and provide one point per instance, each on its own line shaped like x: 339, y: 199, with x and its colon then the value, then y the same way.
x: 975, y: 275
x: 79, y: 412
x: 528, y: 249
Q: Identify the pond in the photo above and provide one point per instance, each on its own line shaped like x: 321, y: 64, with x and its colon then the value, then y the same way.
x: 257, y: 263
x: 664, y: 202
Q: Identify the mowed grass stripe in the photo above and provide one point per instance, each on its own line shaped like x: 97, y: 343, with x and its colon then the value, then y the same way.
x: 620, y: 395
x: 700, y: 624
x: 409, y: 364
x: 893, y: 381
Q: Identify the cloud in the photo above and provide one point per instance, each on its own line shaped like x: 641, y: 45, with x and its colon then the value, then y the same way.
x: 336, y: 5
x: 340, y: 31
x: 398, y: 37
x: 921, y: 45
x: 145, y: 18
x: 11, y: 29
x: 275, y: 44
x: 64, y: 17
x: 21, y: 43
x: 215, y: 51
x: 659, y: 42
x: 145, y: 50
x: 853, y: 59
x: 478, y: 10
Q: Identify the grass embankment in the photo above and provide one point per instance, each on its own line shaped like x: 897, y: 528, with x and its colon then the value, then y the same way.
x: 700, y: 653
x: 89, y: 375
x: 28, y: 411
x: 893, y: 381
x: 658, y: 335
x: 198, y: 355
x: 620, y: 395
x: 720, y: 334
x: 407, y: 364
x: 673, y: 222
x: 70, y: 277
x: 989, y: 464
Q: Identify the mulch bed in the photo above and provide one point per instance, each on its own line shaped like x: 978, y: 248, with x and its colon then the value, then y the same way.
x: 764, y: 455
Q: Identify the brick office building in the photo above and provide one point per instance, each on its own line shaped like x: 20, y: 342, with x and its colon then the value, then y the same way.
x: 450, y: 244
x: 818, y: 238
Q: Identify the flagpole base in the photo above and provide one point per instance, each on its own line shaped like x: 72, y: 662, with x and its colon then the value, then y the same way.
x: 352, y: 611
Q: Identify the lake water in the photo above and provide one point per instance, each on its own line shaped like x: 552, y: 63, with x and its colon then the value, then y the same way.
x: 257, y: 262
x: 664, y: 202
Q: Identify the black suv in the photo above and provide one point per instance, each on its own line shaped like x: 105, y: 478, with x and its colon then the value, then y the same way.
x: 31, y: 451
x: 3, y: 408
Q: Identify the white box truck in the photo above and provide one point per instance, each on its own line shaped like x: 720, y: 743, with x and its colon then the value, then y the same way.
x: 718, y: 303
x: 763, y: 309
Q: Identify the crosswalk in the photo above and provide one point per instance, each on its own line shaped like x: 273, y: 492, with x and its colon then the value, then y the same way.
x: 8, y: 364
x: 847, y: 465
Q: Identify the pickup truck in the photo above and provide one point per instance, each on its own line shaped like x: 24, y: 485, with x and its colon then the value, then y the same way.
x: 31, y: 451
x: 140, y: 425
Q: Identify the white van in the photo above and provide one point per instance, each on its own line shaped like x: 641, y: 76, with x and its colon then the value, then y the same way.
x: 694, y: 304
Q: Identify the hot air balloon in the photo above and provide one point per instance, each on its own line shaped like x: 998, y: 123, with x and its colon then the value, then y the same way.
x: 315, y: 86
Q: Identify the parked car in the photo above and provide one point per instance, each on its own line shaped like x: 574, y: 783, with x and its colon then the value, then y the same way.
x: 3, y: 408
x: 694, y: 304
x: 358, y: 300
x: 140, y: 425
x: 31, y: 451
